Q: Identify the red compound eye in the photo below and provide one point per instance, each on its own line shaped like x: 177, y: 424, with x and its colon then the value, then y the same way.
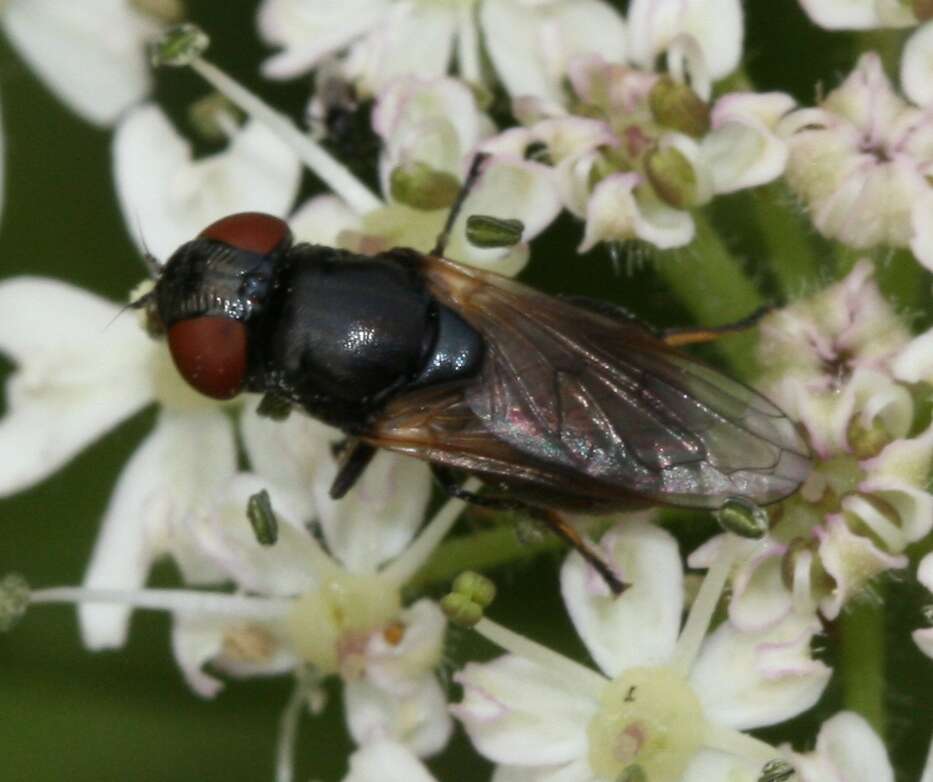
x: 210, y: 353
x: 254, y: 232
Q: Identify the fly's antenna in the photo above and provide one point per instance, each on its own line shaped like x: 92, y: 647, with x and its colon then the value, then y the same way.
x: 136, y: 304
x: 153, y: 267
x: 472, y: 176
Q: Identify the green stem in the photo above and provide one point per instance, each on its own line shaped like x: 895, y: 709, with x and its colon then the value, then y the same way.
x: 904, y: 281
x: 862, y: 660
x: 712, y: 284
x: 479, y: 551
x: 786, y: 234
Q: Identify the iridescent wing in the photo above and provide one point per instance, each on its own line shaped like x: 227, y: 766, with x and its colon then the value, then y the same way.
x: 594, y: 403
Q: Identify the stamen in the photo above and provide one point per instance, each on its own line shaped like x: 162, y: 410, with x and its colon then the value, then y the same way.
x: 586, y: 679
x: 334, y: 173
x: 701, y: 613
x: 467, y: 44
x: 403, y: 569
x: 183, y: 601
x: 288, y: 728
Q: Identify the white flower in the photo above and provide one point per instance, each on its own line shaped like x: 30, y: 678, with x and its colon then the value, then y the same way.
x: 90, y: 54
x: 859, y: 14
x: 669, y: 701
x: 386, y: 761
x: 715, y: 25
x: 648, y: 150
x: 828, y: 361
x: 436, y: 124
x: 846, y: 748
x: 839, y: 362
x: 83, y: 367
x: 299, y: 607
x: 860, y: 161
x: 924, y: 636
x: 529, y: 43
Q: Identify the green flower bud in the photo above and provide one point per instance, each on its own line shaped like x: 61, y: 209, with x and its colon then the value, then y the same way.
x: 677, y: 106
x: 262, y: 518
x: 488, y: 231
x: 421, y: 187
x: 179, y: 46
x: 461, y: 610
x: 672, y: 177
x: 475, y: 586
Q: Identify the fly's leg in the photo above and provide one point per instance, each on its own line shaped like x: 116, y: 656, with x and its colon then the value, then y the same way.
x: 472, y: 176
x: 677, y: 338
x: 554, y: 521
x: 558, y: 524
x: 355, y: 456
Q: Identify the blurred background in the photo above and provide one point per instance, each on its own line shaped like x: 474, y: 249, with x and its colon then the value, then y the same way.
x: 66, y: 713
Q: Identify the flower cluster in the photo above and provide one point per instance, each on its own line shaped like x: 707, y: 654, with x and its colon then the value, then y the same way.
x: 628, y: 124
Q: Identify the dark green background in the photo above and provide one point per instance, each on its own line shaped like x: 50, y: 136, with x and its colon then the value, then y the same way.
x: 69, y: 714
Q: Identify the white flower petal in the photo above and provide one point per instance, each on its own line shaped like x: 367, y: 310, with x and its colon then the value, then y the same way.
x: 743, y: 149
x: 519, y: 713
x: 322, y: 219
x: 242, y: 650
x: 224, y: 534
x: 747, y: 681
x: 858, y: 14
x: 583, y: 27
x: 394, y: 665
x: 851, y: 560
x: 914, y: 364
x: 759, y: 598
x: 716, y: 25
x: 512, y: 39
x: 309, y: 31
x: 91, y: 54
x: 899, y: 476
x: 179, y: 465
x: 576, y: 771
x: 917, y: 66
x: 639, y: 627
x: 621, y: 208
x: 379, y: 516
x: 295, y: 452
x: 194, y: 643
x: 81, y: 371
x: 172, y: 198
x: 396, y: 47
x: 419, y: 719
x: 713, y: 766
x: 924, y: 637
x: 925, y: 572
x: 386, y: 761
x: 508, y: 188
x: 846, y: 748
x: 431, y: 121
x: 924, y: 640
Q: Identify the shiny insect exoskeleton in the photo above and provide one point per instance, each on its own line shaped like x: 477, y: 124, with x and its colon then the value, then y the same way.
x: 554, y: 404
